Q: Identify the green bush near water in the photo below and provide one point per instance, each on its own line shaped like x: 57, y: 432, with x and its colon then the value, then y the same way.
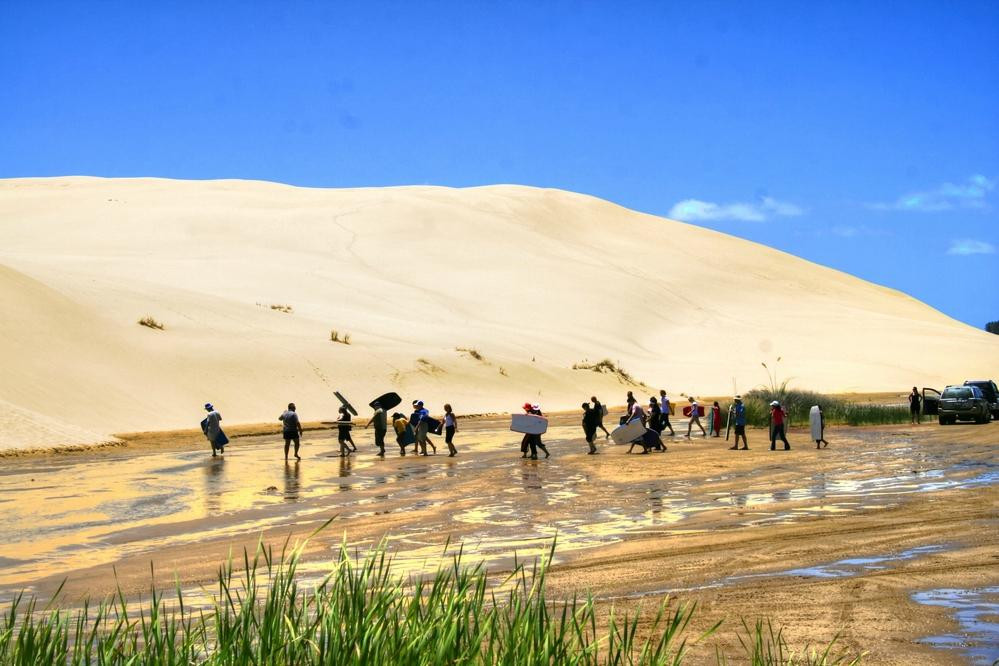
x: 836, y: 410
x: 361, y: 613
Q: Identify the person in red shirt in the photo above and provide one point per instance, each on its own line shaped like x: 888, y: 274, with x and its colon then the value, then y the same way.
x: 778, y: 418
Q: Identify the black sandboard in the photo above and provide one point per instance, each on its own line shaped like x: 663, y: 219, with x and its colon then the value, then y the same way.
x: 387, y: 401
x: 343, y: 401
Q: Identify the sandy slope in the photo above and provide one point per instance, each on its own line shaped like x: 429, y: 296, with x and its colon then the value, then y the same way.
x: 535, y: 280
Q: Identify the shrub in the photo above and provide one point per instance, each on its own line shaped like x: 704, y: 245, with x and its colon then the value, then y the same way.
x: 282, y: 308
x: 342, y: 339
x: 149, y: 322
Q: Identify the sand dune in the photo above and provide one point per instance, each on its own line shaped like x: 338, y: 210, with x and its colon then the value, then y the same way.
x: 534, y: 280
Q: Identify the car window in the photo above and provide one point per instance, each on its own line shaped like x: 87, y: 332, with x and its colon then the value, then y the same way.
x: 958, y: 392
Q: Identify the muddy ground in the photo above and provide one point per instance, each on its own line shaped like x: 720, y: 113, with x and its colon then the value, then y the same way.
x: 822, y: 542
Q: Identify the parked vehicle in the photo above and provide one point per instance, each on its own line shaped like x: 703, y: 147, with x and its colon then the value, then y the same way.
x: 990, y: 391
x: 966, y: 403
x: 931, y: 401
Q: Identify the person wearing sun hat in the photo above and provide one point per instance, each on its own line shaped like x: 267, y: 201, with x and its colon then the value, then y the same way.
x: 739, y: 416
x: 778, y: 417
x: 211, y: 425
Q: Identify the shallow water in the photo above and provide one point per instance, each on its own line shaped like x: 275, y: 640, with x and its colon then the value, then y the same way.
x: 977, y: 613
x: 60, y: 515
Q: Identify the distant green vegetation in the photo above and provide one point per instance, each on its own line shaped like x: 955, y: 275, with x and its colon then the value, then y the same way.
x: 361, y: 613
x: 836, y: 410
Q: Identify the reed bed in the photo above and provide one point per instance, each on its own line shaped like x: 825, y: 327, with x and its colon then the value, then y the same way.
x: 361, y: 613
x: 836, y: 410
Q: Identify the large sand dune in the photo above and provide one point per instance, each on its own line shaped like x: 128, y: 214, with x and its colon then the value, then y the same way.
x: 534, y: 280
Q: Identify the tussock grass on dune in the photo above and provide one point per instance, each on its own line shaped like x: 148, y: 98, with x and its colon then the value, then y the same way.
x: 362, y: 613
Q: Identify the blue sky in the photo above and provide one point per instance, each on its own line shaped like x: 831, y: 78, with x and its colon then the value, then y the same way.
x: 861, y: 135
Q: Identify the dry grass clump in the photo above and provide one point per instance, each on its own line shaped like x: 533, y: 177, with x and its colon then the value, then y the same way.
x: 608, y: 366
x: 471, y: 351
x: 149, y: 322
x: 287, y: 309
x: 343, y: 339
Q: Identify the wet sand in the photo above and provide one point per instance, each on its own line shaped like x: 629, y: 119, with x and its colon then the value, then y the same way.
x: 838, y: 540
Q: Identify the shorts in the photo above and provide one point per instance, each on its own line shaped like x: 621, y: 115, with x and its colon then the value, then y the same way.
x: 740, y: 430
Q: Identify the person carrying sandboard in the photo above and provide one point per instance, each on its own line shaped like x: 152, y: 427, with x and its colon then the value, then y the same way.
x: 211, y: 425
x: 695, y: 417
x: 601, y: 410
x: 738, y: 412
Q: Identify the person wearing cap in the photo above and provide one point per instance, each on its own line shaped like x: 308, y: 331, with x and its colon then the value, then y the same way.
x: 527, y: 442
x: 695, y: 417
x: 821, y: 442
x: 211, y: 425
x: 291, y: 430
x: 778, y: 417
x: 381, y: 427
x: 664, y: 408
x: 536, y: 442
x: 739, y: 416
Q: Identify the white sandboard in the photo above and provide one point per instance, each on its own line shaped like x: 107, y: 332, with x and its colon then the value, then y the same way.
x: 815, y: 421
x: 628, y: 433
x: 529, y: 424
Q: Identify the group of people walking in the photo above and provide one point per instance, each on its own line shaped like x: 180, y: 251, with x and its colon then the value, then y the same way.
x: 415, y: 430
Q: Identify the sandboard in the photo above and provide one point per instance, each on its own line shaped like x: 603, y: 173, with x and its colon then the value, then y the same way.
x: 433, y: 425
x: 387, y: 401
x: 687, y: 410
x: 529, y: 424
x: 628, y: 433
x: 343, y: 401
x: 728, y: 422
x: 815, y: 421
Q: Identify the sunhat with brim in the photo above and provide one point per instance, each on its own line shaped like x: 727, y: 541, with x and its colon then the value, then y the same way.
x: 208, y: 406
x: 527, y: 405
x: 535, y: 406
x: 738, y: 397
x: 775, y: 404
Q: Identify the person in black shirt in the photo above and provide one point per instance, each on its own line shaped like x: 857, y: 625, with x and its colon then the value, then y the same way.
x: 591, y: 420
x: 914, y: 404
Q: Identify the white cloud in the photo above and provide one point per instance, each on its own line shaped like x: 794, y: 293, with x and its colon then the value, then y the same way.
x: 970, y: 194
x: 695, y: 210
x: 846, y: 231
x: 966, y: 246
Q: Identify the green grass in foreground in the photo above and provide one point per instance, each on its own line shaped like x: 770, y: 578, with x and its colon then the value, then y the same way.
x: 361, y: 613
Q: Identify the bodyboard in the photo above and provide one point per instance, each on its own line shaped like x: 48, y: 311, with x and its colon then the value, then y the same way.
x: 387, y: 401
x: 529, y: 424
x: 687, y: 410
x: 628, y: 433
x: 815, y: 421
x: 343, y: 401
x: 433, y: 425
x: 603, y: 410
